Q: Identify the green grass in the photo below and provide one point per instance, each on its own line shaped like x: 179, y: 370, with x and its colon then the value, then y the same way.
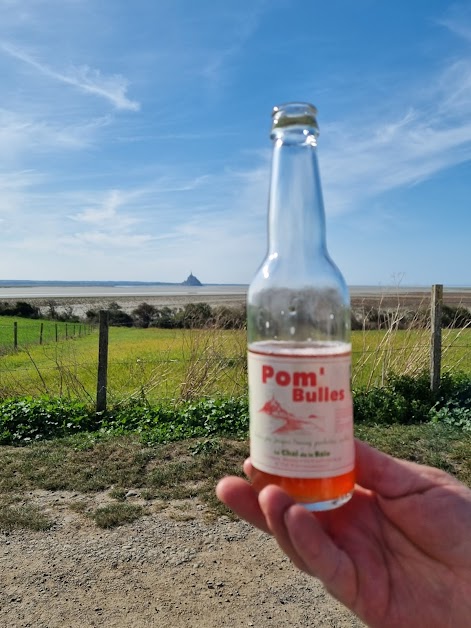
x: 116, y: 515
x: 376, y: 353
x: 151, y: 363
x: 188, y: 364
x: 187, y: 470
x: 29, y: 331
x: 17, y: 516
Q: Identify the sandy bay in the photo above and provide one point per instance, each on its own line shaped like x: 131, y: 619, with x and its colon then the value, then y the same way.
x: 83, y: 298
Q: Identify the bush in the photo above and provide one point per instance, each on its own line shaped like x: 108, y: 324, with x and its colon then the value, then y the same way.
x: 229, y: 318
x: 196, y: 315
x: 409, y: 400
x: 24, y: 420
x: 28, y: 419
x: 166, y: 423
x: 404, y: 400
x: 166, y: 318
x: 21, y: 308
x: 116, y: 316
x: 144, y: 314
x: 455, y: 317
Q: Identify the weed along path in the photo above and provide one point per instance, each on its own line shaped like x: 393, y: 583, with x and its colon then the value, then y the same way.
x: 171, y: 568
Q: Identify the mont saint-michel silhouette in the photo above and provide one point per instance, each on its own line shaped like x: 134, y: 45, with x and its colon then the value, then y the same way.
x: 291, y: 423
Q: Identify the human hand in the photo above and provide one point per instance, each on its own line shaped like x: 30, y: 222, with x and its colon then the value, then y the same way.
x: 398, y: 554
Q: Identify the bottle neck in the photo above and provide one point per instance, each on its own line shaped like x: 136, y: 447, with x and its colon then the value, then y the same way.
x: 296, y: 226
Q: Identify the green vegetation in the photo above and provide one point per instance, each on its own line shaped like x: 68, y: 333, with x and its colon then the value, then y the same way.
x: 199, y: 351
x: 192, y: 315
x: 92, y: 463
x: 403, y: 400
x: 143, y: 363
x: 21, y: 309
x: 28, y: 516
x: 26, y: 420
x: 29, y: 332
x: 376, y: 354
x: 156, y: 364
x: 178, y: 451
x: 177, y: 416
x: 116, y: 514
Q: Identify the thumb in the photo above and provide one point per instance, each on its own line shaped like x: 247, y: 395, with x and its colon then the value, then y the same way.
x: 391, y: 477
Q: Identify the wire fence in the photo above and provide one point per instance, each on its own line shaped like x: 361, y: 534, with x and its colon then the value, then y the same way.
x: 192, y: 363
x: 63, y: 371
x: 27, y: 332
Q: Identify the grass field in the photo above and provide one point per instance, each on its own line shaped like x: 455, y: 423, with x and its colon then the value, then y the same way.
x: 376, y: 353
x: 154, y: 363
x: 185, y: 364
x: 161, y: 363
x: 29, y: 332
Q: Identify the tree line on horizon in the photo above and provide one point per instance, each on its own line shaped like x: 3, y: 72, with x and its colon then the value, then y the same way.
x: 203, y: 315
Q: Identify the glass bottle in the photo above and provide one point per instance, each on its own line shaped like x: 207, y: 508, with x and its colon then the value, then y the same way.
x: 298, y: 326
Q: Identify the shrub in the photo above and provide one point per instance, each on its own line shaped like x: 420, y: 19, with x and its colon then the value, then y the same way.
x: 21, y: 308
x: 171, y: 422
x: 166, y: 318
x: 116, y: 316
x: 144, y: 314
x: 196, y: 315
x: 455, y: 317
x: 28, y: 419
x: 407, y: 400
x: 229, y: 318
x: 404, y: 400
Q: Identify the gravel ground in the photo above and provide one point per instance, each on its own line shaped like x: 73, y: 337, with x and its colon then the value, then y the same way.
x: 158, y: 571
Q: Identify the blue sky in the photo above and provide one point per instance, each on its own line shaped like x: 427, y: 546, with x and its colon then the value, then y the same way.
x: 134, y: 136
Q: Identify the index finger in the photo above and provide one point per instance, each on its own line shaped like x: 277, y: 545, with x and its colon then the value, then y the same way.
x: 240, y: 497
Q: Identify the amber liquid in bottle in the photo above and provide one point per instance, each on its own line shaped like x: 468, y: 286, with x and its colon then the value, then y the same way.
x: 298, y: 324
x: 308, y: 490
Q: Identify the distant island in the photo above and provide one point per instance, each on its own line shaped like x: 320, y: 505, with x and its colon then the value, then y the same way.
x: 191, y: 280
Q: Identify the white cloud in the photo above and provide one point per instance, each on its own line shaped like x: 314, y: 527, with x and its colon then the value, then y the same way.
x: 112, y: 88
x: 15, y: 187
x: 109, y: 240
x: 21, y: 133
x: 240, y: 28
x: 106, y: 212
x: 458, y: 21
x: 369, y: 157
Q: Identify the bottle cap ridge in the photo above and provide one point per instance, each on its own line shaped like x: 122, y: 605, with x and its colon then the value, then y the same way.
x: 295, y: 114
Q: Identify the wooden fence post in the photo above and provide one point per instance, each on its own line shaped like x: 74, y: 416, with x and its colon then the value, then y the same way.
x: 102, y: 362
x: 436, y: 337
x: 41, y: 331
x: 15, y: 335
x: 57, y: 333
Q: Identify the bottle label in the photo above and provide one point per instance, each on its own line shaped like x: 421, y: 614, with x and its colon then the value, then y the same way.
x: 301, y: 411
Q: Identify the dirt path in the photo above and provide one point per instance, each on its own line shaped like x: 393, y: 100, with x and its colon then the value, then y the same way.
x: 158, y: 571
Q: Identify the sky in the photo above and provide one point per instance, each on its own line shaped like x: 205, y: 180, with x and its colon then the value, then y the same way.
x: 134, y: 136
